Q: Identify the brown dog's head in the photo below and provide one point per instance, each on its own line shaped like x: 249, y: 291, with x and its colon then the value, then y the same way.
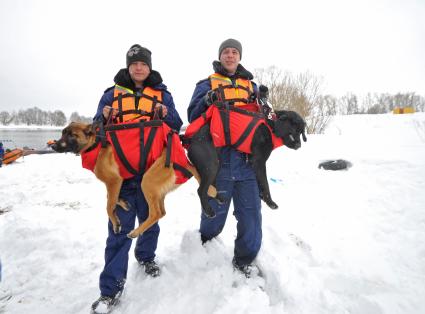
x: 76, y: 137
x: 290, y: 126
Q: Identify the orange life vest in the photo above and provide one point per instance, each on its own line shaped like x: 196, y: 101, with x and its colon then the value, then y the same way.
x: 134, y: 107
x: 237, y: 92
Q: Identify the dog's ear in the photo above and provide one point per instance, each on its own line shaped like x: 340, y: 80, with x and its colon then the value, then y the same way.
x: 303, y: 134
x: 263, y: 92
x: 90, y: 130
x: 301, y: 124
x: 282, y: 114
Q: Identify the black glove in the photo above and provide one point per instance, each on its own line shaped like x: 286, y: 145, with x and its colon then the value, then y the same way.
x: 252, y: 97
x: 266, y: 110
x: 263, y: 92
x: 211, y: 97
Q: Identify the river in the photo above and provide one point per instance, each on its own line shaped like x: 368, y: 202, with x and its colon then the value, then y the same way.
x: 31, y: 138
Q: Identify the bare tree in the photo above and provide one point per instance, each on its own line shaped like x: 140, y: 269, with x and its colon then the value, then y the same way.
x: 58, y: 118
x: 383, y: 103
x: 376, y: 104
x: 349, y: 104
x: 300, y: 93
x: 36, y: 116
x: 5, y: 118
x: 330, y: 104
x: 75, y: 117
x: 325, y: 108
x: 275, y: 80
x: 368, y: 102
x: 419, y: 103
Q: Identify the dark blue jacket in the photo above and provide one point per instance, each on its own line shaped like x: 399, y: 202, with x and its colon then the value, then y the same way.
x: 154, y: 80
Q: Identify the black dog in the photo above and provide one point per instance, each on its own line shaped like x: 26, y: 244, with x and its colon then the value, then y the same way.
x: 289, y: 126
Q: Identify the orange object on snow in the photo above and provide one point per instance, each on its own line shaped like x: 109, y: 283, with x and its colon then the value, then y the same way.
x: 11, y: 156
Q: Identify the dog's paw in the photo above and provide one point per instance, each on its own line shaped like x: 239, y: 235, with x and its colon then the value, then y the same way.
x: 269, y: 202
x: 124, y: 204
x: 209, y: 212
x: 220, y: 199
x: 117, y: 228
x: 132, y: 235
x: 272, y: 204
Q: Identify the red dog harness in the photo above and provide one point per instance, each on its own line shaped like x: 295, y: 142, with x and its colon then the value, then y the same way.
x: 136, y: 146
x: 231, y: 126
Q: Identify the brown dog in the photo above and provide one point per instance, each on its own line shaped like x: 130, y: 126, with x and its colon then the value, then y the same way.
x: 157, y: 181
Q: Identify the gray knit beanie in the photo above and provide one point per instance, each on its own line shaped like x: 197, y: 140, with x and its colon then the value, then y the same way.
x: 230, y: 43
x: 139, y: 53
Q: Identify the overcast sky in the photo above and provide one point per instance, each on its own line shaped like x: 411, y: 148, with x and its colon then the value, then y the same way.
x: 64, y: 54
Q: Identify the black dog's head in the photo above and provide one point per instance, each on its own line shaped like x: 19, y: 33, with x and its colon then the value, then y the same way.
x: 75, y: 137
x: 290, y: 126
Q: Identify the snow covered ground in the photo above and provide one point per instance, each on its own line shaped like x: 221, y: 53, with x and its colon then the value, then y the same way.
x: 341, y: 242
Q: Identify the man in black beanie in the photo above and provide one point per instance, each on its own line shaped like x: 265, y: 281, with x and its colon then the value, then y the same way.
x: 139, y: 53
x: 138, y: 91
x: 236, y: 180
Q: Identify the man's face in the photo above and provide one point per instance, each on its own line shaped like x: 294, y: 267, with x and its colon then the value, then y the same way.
x: 139, y: 71
x: 230, y: 59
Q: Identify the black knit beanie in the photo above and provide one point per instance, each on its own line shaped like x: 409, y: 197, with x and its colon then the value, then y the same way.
x: 230, y: 43
x: 139, y: 53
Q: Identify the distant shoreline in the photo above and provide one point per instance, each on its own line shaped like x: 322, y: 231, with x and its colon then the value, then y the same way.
x: 30, y: 127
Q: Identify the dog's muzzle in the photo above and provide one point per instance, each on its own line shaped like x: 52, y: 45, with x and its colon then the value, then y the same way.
x: 60, y: 147
x: 54, y: 145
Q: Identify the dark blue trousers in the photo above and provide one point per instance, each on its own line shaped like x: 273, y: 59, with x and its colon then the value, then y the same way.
x: 114, y: 274
x: 236, y: 181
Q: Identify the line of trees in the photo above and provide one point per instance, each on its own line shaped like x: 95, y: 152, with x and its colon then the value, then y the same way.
x: 36, y: 116
x: 302, y: 93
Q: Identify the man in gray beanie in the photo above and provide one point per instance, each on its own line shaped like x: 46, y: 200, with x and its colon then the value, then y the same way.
x: 232, y: 84
x: 230, y: 54
x: 230, y: 43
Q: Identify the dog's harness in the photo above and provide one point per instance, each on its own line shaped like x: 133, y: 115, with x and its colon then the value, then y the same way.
x: 136, y: 145
x: 121, y: 136
x: 231, y: 125
x: 237, y: 125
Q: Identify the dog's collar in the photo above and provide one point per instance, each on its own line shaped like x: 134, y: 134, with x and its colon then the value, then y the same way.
x: 93, y: 146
